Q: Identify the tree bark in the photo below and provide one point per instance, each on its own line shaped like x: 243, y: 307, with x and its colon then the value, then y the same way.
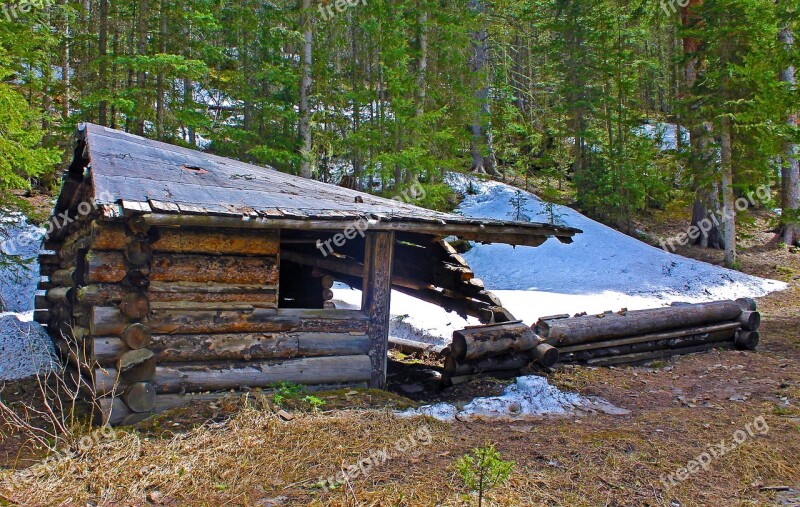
x: 102, y: 48
x: 790, y: 170
x: 706, y: 206
x: 483, y: 158
x: 728, y: 209
x: 305, y: 88
x: 65, y: 64
x: 141, y: 50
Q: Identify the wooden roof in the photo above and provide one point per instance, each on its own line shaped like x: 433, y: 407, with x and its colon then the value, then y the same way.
x: 171, y: 185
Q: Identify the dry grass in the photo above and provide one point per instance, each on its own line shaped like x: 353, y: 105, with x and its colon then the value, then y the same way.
x: 245, y: 455
x: 255, y: 457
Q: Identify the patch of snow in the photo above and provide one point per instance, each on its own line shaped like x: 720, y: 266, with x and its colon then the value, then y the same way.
x: 18, y: 282
x: 412, y: 318
x: 25, y: 347
x: 529, y: 396
x: 666, y: 134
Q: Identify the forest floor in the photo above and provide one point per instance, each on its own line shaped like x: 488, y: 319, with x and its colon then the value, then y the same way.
x: 245, y: 451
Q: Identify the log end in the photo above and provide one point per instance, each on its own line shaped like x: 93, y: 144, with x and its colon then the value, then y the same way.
x: 546, y: 355
x: 747, y: 304
x: 747, y: 340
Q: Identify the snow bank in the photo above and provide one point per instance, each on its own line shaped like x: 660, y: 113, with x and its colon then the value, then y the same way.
x: 529, y: 396
x: 25, y: 347
x: 18, y: 283
x: 601, y: 261
x: 601, y: 270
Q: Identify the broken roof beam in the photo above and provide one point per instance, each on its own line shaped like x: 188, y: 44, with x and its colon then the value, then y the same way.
x: 487, y: 232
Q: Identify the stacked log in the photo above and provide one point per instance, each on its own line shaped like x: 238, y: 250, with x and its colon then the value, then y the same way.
x: 500, y: 347
x: 146, y: 315
x: 643, y: 335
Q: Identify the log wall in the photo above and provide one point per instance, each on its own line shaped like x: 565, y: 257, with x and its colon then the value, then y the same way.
x: 147, y: 313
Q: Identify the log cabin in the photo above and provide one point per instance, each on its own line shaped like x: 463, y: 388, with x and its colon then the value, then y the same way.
x: 169, y: 271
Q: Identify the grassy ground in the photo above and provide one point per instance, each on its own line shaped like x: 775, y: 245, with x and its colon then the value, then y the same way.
x: 242, y: 451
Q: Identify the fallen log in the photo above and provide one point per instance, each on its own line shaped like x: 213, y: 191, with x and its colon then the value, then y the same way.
x: 544, y: 354
x: 747, y: 304
x: 491, y: 340
x: 726, y: 336
x: 648, y: 356
x: 563, y: 332
x: 726, y: 326
x: 455, y: 368
x: 415, y: 347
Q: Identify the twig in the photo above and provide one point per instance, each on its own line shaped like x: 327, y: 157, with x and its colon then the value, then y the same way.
x: 6, y: 499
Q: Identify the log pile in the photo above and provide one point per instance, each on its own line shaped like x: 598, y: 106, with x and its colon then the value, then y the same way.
x: 605, y: 339
x: 500, y: 347
x: 145, y: 315
x: 643, y: 335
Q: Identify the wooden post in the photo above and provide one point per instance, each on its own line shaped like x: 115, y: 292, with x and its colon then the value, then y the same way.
x: 378, y: 256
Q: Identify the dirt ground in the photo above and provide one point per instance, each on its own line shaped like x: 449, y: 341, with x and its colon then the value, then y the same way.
x: 244, y: 451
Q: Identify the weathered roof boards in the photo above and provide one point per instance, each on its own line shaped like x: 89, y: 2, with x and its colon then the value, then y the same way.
x: 170, y: 271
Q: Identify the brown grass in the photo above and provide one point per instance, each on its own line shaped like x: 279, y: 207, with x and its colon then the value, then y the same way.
x: 243, y: 454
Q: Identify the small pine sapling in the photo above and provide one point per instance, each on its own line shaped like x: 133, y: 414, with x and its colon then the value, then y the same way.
x: 483, y: 469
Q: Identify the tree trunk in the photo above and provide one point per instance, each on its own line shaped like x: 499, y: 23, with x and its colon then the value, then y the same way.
x: 141, y: 50
x: 102, y: 48
x: 160, y: 92
x: 728, y: 209
x: 706, y: 201
x: 65, y: 64
x: 483, y: 159
x: 790, y: 171
x: 305, y: 87
x: 726, y: 167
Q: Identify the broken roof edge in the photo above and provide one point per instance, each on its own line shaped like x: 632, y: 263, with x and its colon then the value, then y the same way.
x: 486, y: 232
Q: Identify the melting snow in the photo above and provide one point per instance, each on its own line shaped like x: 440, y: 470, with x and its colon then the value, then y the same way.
x: 25, y: 348
x: 601, y: 270
x: 529, y: 396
